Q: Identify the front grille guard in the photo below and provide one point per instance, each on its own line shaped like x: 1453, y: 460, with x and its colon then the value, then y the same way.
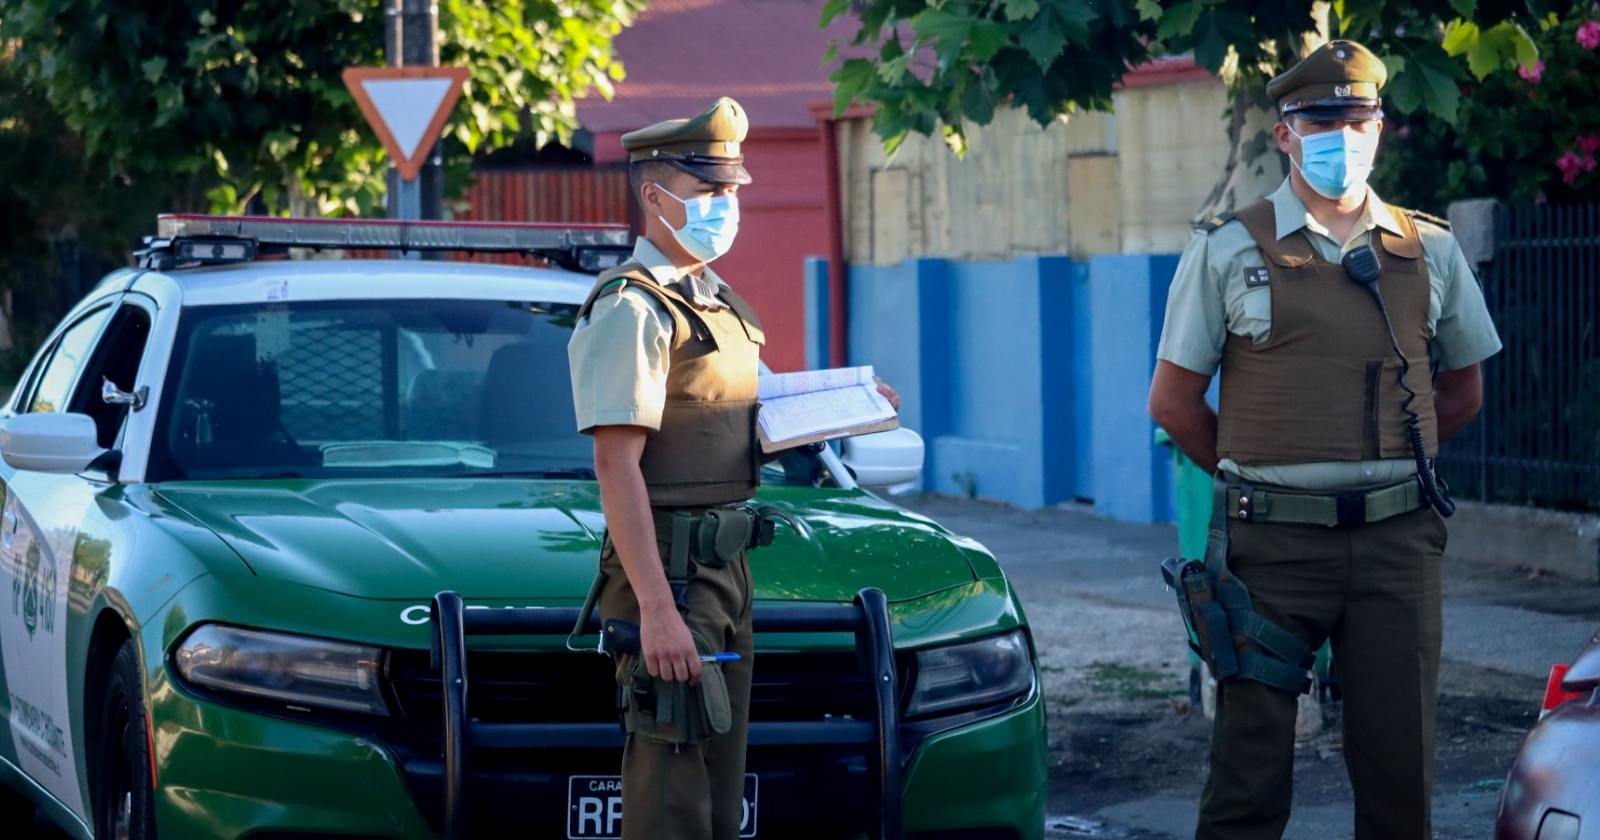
x: 867, y: 619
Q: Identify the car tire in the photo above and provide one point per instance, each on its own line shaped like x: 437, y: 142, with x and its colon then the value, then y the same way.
x: 123, y: 800
x: 16, y: 813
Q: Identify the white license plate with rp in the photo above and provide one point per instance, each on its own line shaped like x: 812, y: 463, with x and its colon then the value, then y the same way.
x: 594, y: 807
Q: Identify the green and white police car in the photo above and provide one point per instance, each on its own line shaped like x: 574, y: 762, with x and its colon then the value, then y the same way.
x: 233, y: 486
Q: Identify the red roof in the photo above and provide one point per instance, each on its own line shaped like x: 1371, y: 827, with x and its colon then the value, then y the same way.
x: 682, y: 54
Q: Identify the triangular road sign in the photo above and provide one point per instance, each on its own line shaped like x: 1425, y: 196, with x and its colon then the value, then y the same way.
x: 406, y: 107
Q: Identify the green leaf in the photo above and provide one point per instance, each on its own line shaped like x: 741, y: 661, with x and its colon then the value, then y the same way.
x: 1428, y: 81
x: 1043, y: 44
x: 893, y: 70
x: 1210, y: 47
x: 1073, y: 18
x: 1020, y: 9
x: 1460, y: 36
x: 1464, y: 8
x: 1150, y: 10
x: 1178, y: 21
x: 947, y: 28
x: 153, y: 68
x: 977, y: 102
x: 985, y: 40
x: 956, y: 139
x: 831, y: 10
x: 850, y: 79
x: 1526, y: 51
x: 831, y: 53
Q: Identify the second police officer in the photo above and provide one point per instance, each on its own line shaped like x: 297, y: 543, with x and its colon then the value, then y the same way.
x: 1325, y: 503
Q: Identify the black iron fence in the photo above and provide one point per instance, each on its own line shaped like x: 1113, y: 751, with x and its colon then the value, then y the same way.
x: 1537, y: 441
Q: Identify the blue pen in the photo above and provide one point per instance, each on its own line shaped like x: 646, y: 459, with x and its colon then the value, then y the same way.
x: 720, y: 657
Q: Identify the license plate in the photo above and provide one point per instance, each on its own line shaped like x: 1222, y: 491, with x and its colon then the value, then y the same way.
x: 594, y: 807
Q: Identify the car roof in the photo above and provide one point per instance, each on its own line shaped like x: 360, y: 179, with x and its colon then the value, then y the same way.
x: 339, y: 279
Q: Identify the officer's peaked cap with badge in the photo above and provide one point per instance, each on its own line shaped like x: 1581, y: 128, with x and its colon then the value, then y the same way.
x: 705, y: 146
x: 1339, y: 80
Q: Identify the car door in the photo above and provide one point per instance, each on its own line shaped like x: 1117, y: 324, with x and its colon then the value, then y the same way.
x: 39, y: 523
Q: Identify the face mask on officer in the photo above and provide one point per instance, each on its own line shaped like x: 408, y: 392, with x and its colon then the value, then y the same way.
x: 710, y: 224
x: 1336, y: 163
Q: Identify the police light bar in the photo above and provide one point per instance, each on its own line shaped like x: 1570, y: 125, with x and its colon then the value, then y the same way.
x: 527, y: 237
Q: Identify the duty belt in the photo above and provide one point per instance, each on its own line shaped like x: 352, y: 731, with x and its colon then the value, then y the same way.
x: 1254, y: 503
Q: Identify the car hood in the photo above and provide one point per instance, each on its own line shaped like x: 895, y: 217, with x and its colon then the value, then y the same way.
x: 537, y: 541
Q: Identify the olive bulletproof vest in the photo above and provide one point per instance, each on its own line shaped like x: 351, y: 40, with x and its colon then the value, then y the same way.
x: 706, y: 451
x: 1323, y: 386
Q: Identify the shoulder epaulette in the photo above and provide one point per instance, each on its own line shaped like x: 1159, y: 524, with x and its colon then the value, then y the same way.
x: 1429, y: 217
x: 1215, y: 222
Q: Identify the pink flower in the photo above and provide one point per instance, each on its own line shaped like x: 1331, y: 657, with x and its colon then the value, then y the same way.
x: 1589, y: 143
x: 1589, y: 35
x: 1531, y: 74
x: 1572, y: 165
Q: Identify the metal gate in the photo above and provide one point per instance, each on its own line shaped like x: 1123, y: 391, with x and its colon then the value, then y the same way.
x: 1537, y: 440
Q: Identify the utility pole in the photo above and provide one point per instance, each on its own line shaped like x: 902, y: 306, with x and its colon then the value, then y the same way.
x: 410, y: 39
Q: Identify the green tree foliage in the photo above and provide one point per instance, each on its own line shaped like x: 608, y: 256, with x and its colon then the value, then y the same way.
x: 1523, y: 137
x: 239, y: 99
x: 111, y: 111
x: 943, y: 64
x: 57, y: 211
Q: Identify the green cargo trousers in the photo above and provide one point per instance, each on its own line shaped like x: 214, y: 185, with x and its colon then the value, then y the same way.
x: 1374, y: 591
x: 694, y: 792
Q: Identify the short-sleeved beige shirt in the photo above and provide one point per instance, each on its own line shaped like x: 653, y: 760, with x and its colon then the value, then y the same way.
x: 1209, y: 299
x: 619, y: 354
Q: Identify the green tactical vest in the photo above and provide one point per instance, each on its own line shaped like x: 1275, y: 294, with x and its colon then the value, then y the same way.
x: 1323, y: 386
x: 706, y: 451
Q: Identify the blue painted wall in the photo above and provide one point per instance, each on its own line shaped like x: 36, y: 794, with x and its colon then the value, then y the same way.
x: 1027, y: 378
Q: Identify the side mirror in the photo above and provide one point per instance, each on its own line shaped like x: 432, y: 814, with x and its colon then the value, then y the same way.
x: 52, y: 443
x: 886, y: 459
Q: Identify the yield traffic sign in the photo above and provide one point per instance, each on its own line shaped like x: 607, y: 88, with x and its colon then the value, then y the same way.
x: 406, y: 107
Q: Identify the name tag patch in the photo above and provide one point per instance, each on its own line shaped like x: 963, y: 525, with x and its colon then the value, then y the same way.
x: 1254, y: 277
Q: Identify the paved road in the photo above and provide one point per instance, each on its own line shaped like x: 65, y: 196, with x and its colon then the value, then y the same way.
x: 1129, y: 754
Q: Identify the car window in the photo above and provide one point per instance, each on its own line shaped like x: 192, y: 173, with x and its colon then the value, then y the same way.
x: 116, y: 357
x: 382, y: 388
x: 57, y: 375
x: 371, y: 388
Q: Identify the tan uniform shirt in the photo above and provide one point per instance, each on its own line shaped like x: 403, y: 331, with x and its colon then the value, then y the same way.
x: 1209, y: 299
x: 620, y: 353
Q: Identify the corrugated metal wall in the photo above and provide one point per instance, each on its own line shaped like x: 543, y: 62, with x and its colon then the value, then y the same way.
x: 590, y: 194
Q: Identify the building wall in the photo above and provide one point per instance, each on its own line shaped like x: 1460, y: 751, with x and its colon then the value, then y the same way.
x: 1127, y: 182
x: 1026, y: 377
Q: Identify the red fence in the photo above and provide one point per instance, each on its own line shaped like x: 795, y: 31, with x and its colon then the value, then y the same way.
x: 595, y: 195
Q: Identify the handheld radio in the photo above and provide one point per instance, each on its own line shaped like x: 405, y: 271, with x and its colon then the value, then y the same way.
x: 1364, y: 268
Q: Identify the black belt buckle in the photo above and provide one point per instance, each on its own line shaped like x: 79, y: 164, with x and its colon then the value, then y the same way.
x: 1351, y: 508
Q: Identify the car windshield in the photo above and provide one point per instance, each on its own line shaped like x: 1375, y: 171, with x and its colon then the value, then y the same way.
x: 379, y: 388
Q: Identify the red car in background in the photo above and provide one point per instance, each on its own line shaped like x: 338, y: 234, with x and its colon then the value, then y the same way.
x: 1553, y: 790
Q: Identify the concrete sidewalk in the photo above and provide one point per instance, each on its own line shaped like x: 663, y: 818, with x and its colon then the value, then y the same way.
x: 1130, y: 756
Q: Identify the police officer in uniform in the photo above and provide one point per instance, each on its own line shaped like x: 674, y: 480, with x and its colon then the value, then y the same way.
x: 664, y: 362
x: 1322, y: 514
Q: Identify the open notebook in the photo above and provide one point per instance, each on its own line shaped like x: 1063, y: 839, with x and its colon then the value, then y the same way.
x: 816, y: 405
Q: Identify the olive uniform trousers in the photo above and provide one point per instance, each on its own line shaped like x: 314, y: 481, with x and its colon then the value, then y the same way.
x: 1373, y: 589
x: 694, y: 792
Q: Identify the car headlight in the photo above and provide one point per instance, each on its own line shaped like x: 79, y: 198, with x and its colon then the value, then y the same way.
x: 298, y: 670
x: 971, y: 674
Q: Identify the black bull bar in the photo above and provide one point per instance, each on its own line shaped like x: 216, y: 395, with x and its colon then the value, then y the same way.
x: 867, y: 619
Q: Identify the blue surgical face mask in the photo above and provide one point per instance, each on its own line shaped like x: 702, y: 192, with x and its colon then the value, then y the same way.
x: 1336, y: 163
x: 710, y: 223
